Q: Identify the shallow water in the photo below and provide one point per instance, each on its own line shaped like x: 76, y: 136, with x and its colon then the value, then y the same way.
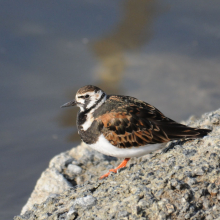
x: 164, y: 52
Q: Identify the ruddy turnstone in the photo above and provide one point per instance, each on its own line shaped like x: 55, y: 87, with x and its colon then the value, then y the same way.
x: 123, y: 126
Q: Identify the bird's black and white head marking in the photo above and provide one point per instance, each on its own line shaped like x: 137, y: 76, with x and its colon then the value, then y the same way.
x: 89, y: 97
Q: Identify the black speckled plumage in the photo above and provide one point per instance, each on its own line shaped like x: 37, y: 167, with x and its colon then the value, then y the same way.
x: 124, y: 126
x: 127, y: 122
x: 91, y: 135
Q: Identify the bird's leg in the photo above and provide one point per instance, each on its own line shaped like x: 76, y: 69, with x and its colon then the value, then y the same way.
x: 122, y: 164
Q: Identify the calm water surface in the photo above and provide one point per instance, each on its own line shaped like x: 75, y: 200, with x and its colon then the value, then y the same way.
x: 164, y: 52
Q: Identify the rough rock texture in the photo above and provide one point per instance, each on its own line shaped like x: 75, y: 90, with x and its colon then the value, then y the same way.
x: 179, y: 182
x: 51, y: 181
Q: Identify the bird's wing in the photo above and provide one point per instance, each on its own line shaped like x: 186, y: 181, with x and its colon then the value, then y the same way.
x: 137, y: 123
x: 129, y: 126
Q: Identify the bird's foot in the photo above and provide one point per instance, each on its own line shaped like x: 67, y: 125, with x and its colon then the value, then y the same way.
x: 107, y: 174
x: 123, y: 164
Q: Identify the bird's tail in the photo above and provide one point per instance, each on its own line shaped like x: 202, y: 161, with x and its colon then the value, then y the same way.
x: 176, y: 131
x: 202, y: 132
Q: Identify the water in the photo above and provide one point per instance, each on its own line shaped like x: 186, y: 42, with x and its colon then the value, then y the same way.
x: 163, y: 52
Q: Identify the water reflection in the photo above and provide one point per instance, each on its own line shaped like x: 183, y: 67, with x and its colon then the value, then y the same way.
x: 131, y: 32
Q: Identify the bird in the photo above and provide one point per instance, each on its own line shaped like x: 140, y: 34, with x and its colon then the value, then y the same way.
x: 123, y: 126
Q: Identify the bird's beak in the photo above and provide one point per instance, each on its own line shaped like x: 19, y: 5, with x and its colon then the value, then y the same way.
x: 68, y: 104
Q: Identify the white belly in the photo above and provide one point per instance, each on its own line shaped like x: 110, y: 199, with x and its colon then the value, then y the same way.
x: 103, y: 146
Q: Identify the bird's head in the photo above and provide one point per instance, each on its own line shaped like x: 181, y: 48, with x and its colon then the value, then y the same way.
x: 87, y: 97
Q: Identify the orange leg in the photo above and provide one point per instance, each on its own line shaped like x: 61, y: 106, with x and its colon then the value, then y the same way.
x: 123, y: 164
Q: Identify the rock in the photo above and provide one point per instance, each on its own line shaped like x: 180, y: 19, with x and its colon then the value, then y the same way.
x: 181, y: 182
x: 87, y: 201
x: 71, y: 214
x: 73, y: 170
x: 60, y: 161
x: 50, y: 182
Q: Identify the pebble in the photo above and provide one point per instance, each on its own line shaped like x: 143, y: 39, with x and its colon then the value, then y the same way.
x: 74, y: 169
x: 198, y: 172
x: 191, y: 181
x: 86, y: 201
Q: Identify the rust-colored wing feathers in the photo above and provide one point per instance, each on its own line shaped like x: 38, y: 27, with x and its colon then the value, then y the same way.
x: 137, y: 123
x: 131, y: 128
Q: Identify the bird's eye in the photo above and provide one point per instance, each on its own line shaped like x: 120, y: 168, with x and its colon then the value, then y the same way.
x: 87, y: 96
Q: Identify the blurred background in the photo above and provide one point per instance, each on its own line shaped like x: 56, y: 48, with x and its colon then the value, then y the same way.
x: 163, y: 52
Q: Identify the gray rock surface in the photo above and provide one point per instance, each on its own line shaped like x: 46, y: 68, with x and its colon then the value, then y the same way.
x: 181, y: 181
